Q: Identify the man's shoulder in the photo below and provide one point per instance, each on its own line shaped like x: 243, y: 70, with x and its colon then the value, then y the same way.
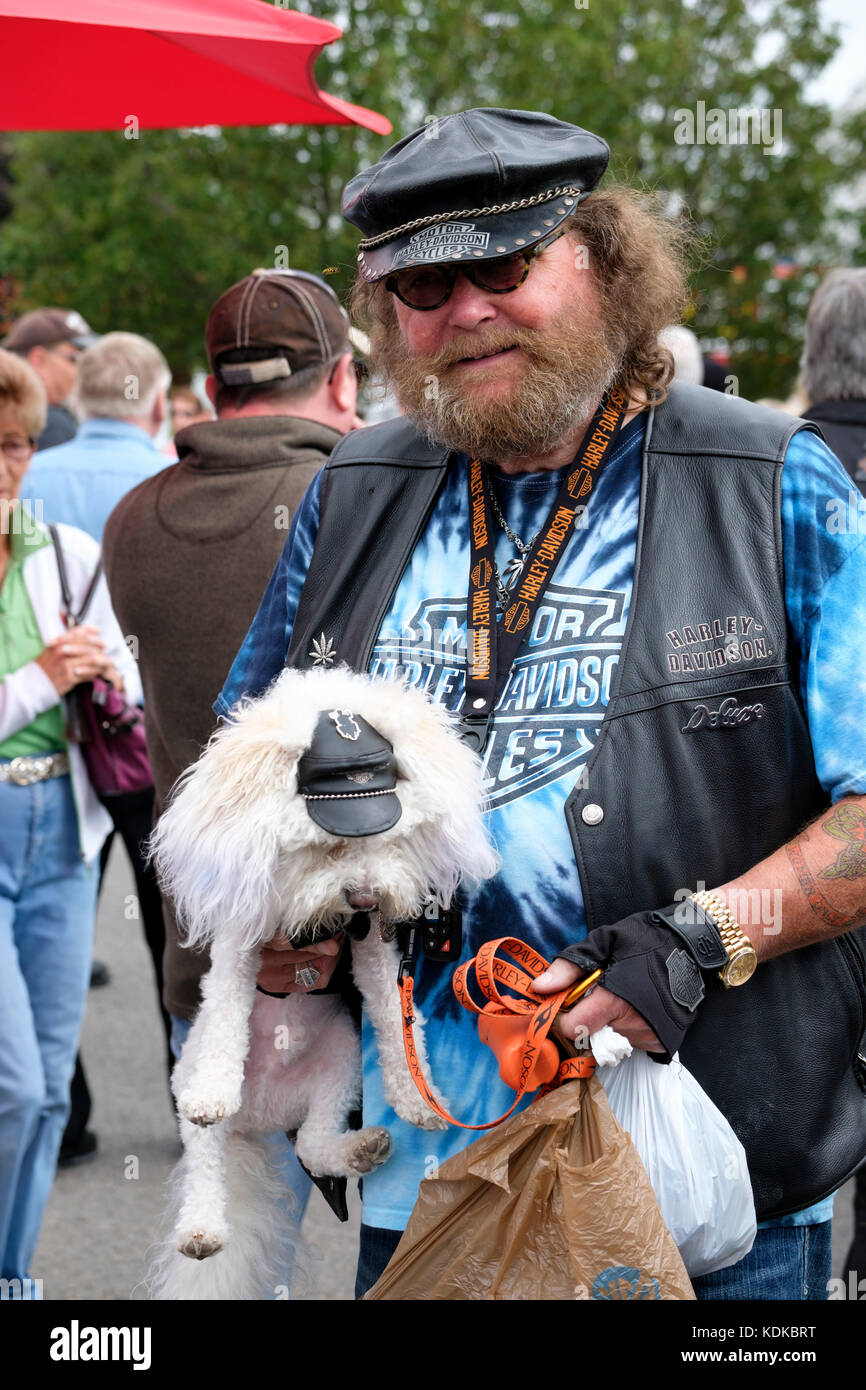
x: 394, y: 443
x: 697, y: 421
x: 99, y: 454
x: 138, y: 502
x: 52, y: 456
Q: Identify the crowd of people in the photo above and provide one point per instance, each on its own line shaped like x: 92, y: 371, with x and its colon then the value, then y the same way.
x: 215, y: 549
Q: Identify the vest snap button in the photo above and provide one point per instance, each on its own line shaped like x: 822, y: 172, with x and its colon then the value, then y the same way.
x: 592, y: 814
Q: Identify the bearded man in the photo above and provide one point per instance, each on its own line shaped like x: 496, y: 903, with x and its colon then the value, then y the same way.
x: 669, y: 698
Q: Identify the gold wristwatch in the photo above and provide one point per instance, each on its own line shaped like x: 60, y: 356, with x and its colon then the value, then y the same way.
x: 742, y: 960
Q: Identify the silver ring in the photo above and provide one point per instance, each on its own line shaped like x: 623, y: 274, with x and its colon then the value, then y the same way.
x: 307, y: 975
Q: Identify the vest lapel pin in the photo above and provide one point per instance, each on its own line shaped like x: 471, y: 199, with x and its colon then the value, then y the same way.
x: 322, y: 651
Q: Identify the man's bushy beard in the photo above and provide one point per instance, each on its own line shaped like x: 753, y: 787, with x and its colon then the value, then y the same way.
x: 569, y: 366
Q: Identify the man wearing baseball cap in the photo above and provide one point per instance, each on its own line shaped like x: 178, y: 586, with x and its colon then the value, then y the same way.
x: 52, y: 340
x: 626, y: 589
x: 189, y: 552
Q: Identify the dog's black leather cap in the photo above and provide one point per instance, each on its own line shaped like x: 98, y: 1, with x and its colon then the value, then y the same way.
x: 348, y: 775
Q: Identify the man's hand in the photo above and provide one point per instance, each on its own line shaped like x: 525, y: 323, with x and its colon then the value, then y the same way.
x: 650, y: 962
x: 280, y: 959
x: 595, y: 1009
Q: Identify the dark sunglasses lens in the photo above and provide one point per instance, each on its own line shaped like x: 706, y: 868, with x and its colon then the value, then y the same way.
x: 501, y: 275
x: 422, y: 288
x: 361, y: 369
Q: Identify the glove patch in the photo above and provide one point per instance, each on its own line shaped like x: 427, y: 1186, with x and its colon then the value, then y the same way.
x: 684, y: 979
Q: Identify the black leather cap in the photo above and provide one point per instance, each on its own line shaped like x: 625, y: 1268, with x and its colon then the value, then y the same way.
x: 348, y: 775
x: 475, y: 185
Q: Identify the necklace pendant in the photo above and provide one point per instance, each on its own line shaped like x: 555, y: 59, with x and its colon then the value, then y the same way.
x: 513, y: 571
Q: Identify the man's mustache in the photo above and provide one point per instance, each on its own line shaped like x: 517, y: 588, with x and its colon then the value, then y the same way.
x: 475, y: 345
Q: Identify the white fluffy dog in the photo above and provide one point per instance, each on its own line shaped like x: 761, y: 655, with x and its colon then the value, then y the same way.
x: 245, y: 862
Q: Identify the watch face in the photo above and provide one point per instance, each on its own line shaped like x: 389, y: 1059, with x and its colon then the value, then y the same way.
x: 741, y: 967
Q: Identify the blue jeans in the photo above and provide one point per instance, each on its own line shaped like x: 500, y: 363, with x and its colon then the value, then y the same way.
x: 47, y: 906
x: 377, y: 1247
x: 785, y: 1262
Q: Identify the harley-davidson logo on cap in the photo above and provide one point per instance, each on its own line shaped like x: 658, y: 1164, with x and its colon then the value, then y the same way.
x: 346, y: 724
x: 442, y: 243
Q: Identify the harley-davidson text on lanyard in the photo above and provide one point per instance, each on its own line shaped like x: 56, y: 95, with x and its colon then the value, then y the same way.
x: 491, y: 648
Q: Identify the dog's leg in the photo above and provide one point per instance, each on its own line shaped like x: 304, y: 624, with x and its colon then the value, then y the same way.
x: 202, y: 1227
x: 333, y: 1087
x: 262, y: 1242
x: 375, y: 964
x: 220, y: 1036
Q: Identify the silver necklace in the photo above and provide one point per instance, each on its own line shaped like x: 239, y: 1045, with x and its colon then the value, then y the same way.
x: 514, y: 568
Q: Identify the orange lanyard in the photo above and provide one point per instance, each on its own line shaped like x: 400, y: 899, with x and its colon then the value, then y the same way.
x: 533, y: 1057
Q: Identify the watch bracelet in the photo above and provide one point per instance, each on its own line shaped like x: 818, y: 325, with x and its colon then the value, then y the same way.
x: 729, y: 928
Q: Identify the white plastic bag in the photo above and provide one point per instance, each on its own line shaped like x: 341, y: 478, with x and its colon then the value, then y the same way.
x: 695, y: 1162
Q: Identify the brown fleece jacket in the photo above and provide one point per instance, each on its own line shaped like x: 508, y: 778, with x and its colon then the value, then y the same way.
x: 188, y: 555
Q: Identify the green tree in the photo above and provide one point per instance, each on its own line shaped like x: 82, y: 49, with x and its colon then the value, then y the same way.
x: 143, y: 234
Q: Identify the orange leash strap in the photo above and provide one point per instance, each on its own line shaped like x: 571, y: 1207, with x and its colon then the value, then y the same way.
x: 540, y: 1012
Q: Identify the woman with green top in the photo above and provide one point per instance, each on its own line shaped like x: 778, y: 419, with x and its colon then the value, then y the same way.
x: 52, y: 824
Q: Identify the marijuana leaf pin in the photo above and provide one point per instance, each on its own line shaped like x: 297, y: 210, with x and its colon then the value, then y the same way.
x: 323, y: 650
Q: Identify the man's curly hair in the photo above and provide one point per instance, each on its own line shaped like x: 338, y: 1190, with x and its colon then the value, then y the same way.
x: 640, y: 259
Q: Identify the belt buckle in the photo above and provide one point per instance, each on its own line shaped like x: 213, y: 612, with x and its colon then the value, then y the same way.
x: 24, y: 771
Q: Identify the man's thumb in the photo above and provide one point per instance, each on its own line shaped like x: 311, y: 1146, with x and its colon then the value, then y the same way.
x: 558, y: 976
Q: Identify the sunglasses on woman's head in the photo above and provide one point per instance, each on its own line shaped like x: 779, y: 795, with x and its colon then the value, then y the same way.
x: 429, y: 286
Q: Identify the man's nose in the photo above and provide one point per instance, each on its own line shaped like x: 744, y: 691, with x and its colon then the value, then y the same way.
x: 469, y: 305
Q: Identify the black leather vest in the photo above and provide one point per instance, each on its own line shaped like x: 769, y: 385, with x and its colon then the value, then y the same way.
x: 703, y: 765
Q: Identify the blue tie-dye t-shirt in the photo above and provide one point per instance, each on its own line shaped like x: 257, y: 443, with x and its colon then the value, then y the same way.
x: 547, y: 720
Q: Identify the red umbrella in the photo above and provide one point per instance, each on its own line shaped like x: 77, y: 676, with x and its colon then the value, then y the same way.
x: 95, y: 64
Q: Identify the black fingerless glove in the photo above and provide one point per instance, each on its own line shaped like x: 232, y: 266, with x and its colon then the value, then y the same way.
x: 659, y: 965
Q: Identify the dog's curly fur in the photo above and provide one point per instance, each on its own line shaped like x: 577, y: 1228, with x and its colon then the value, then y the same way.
x: 245, y: 863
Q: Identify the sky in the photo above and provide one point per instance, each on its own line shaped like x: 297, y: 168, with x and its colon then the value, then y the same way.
x: 848, y: 69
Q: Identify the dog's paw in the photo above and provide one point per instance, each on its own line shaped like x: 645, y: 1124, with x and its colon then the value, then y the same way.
x: 368, y: 1149
x: 198, y: 1244
x: 421, y: 1116
x: 411, y: 1106
x: 201, y: 1109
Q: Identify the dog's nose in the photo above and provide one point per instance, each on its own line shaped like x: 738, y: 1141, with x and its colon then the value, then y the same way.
x: 362, y: 900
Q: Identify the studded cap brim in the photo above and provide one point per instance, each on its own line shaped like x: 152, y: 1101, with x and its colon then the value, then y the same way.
x: 354, y: 816
x: 467, y: 238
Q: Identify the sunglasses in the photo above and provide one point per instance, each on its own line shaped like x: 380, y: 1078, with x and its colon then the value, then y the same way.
x: 429, y: 287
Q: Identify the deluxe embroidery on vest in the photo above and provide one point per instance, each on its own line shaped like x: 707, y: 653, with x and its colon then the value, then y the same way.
x: 729, y: 715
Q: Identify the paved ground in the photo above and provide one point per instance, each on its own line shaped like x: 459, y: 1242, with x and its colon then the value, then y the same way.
x: 102, y: 1215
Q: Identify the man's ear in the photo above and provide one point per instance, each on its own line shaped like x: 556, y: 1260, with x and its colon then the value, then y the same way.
x: 210, y: 387
x: 343, y: 386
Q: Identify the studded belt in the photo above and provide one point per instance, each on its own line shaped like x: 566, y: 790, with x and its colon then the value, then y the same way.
x: 24, y: 771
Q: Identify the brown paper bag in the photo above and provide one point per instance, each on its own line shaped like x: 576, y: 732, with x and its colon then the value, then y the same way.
x: 554, y: 1204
